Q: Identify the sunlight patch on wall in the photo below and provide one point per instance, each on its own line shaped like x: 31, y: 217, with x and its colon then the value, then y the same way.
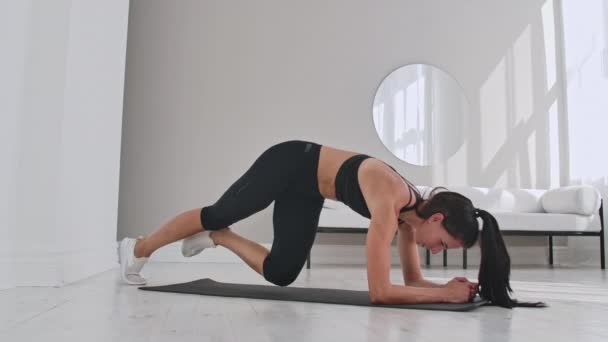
x: 585, y: 41
x: 522, y: 77
x: 548, y: 15
x: 554, y: 147
x: 493, y: 108
x: 527, y: 164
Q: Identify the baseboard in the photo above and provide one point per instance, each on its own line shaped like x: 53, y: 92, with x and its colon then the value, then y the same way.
x: 577, y: 256
x: 323, y: 254
x: 355, y: 255
x: 528, y: 255
x: 58, y: 269
x: 334, y: 254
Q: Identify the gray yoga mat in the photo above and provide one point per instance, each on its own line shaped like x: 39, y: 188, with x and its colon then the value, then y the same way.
x: 211, y: 287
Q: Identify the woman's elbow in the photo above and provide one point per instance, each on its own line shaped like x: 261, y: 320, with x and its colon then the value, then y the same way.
x: 378, y: 296
x: 376, y: 300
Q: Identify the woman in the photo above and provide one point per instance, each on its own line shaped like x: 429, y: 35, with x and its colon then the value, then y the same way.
x: 298, y: 176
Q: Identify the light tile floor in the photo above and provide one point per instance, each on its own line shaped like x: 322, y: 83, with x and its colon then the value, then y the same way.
x: 101, y: 309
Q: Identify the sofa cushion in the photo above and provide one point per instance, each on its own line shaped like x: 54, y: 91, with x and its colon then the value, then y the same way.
x: 577, y: 199
x: 547, y: 222
x: 336, y: 214
x: 516, y: 200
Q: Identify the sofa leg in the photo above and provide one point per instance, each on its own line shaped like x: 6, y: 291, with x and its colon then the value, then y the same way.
x: 602, y: 244
x: 551, y: 250
x: 464, y: 258
x: 445, y: 258
x: 308, y: 261
x: 428, y: 257
x: 602, y: 251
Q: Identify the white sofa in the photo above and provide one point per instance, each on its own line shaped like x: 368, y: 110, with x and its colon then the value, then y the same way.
x: 565, y: 211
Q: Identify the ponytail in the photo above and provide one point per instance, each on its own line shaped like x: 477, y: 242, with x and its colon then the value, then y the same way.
x: 495, y: 266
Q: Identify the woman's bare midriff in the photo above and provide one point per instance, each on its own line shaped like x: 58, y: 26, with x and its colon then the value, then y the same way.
x: 330, y: 160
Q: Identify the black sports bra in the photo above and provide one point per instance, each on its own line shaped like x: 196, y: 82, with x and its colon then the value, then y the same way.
x: 349, y: 192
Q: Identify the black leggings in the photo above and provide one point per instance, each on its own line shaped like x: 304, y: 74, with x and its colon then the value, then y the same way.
x: 285, y: 173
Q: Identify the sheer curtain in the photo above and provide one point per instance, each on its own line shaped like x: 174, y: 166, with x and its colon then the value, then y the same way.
x: 585, y: 26
x: 585, y: 52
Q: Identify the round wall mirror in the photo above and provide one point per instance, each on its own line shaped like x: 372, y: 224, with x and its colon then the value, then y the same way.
x: 419, y: 113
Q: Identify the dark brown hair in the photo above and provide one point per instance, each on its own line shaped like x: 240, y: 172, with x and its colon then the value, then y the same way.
x: 460, y: 221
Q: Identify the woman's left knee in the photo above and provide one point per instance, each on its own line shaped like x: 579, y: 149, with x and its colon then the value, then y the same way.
x: 281, y: 275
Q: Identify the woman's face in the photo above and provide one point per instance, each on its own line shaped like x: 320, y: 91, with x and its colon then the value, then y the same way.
x: 431, y: 234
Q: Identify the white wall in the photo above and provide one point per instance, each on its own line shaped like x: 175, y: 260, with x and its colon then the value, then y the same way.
x: 65, y: 61
x: 211, y: 84
x: 13, y: 27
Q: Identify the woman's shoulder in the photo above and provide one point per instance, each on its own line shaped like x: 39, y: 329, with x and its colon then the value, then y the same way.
x: 379, y: 182
x: 377, y: 171
x: 376, y: 174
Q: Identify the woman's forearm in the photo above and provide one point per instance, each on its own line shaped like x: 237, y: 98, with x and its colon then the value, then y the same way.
x: 424, y: 283
x: 399, y: 294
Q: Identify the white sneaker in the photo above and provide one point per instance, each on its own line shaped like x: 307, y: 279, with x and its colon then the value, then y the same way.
x: 130, y: 266
x: 194, y: 244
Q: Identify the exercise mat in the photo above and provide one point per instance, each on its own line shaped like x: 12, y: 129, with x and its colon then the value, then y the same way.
x: 211, y: 287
